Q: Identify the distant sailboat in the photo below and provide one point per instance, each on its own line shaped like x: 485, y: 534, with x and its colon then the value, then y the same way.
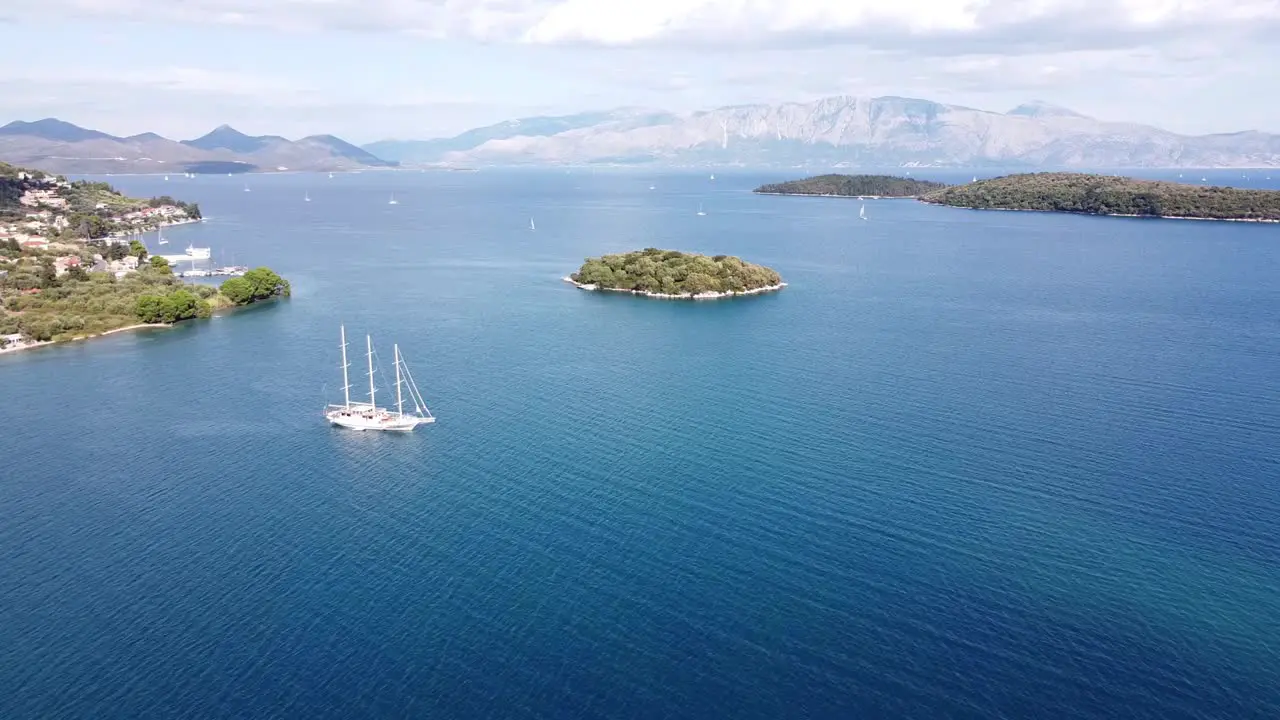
x: 160, y: 235
x: 531, y: 225
x: 246, y: 188
x: 330, y: 176
x: 306, y: 196
x: 862, y: 212
x: 713, y: 176
x: 975, y: 179
x: 700, y: 212
x: 166, y: 177
x: 392, y: 201
x: 650, y: 187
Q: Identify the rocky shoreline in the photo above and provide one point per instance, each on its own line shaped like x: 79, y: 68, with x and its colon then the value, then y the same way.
x: 686, y: 296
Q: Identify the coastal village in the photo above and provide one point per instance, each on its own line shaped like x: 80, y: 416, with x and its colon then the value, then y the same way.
x: 73, y: 264
x: 47, y: 211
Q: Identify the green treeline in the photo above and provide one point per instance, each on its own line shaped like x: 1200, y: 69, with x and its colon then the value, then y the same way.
x: 1109, y: 195
x: 256, y: 284
x: 671, y: 272
x: 41, y: 305
x: 854, y: 186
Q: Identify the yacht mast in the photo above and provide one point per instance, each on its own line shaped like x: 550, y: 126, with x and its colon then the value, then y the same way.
x: 368, y: 341
x: 346, y: 384
x: 399, y: 398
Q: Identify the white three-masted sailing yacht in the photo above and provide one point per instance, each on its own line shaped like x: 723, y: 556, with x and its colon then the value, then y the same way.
x: 368, y: 416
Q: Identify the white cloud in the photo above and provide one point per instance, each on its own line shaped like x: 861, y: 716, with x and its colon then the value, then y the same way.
x: 1144, y: 60
x: 925, y: 26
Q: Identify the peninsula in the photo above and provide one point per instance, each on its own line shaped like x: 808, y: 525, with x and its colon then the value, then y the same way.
x: 672, y: 274
x: 1109, y: 195
x: 863, y: 186
x: 69, y: 270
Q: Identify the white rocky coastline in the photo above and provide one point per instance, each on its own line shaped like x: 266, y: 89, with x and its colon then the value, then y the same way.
x: 667, y: 296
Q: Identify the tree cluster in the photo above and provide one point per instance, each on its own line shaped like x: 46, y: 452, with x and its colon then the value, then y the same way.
x: 257, y: 284
x: 854, y: 186
x: 171, y: 307
x: 1108, y: 195
x: 671, y: 272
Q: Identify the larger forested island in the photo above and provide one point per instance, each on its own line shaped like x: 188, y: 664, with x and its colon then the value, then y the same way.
x: 1110, y: 195
x: 874, y: 186
x: 674, y: 274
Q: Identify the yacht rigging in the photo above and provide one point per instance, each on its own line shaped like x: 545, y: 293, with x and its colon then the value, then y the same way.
x: 368, y: 416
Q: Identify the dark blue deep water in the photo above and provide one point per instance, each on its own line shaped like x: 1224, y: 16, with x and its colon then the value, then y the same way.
x: 968, y: 465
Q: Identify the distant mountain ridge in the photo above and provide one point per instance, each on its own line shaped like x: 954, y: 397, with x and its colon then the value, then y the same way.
x: 423, y: 151
x: 57, y: 146
x: 842, y: 131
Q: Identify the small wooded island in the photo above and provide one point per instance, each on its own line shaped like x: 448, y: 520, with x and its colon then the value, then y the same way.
x: 868, y: 186
x: 1109, y: 195
x: 672, y: 274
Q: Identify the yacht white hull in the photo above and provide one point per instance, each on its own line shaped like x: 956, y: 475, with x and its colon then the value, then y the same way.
x: 366, y: 418
x: 367, y: 415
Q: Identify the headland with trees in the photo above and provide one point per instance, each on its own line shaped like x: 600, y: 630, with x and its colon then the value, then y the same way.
x: 1094, y: 194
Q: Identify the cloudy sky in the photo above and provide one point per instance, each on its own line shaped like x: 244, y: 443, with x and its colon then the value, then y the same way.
x: 372, y: 69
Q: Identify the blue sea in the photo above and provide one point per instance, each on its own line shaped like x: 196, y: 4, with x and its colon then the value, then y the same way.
x: 967, y: 465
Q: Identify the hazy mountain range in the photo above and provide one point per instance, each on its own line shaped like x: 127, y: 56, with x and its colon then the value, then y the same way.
x: 840, y: 131
x: 57, y: 146
x: 828, y: 133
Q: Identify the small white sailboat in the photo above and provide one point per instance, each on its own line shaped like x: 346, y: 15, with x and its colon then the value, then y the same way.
x: 368, y: 416
x: 160, y: 236
x: 166, y: 177
x: 650, y: 187
x: 700, y: 212
x: 862, y: 212
x: 713, y: 176
x: 393, y: 201
x: 246, y: 187
x: 975, y: 179
x: 330, y: 176
x: 306, y: 196
x: 531, y: 225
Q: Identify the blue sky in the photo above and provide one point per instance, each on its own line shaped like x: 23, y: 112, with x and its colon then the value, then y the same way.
x: 371, y: 69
